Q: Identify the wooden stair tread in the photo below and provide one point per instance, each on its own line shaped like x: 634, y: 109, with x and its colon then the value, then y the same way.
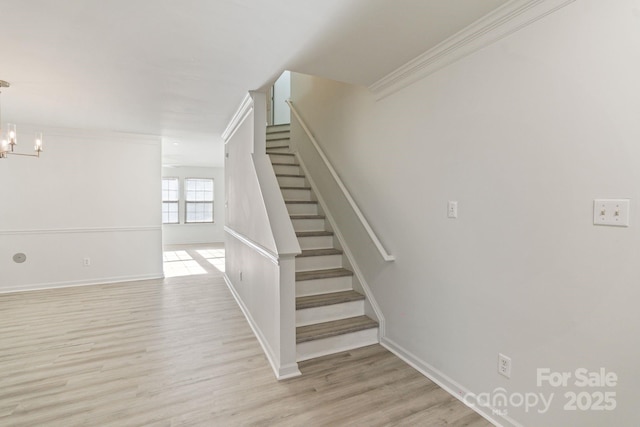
x: 286, y: 138
x: 334, y: 328
x: 289, y: 175
x: 319, y: 252
x: 280, y: 154
x: 322, y: 274
x: 295, y: 188
x: 301, y: 202
x: 272, y: 147
x: 284, y: 164
x: 313, y: 233
x: 327, y: 299
x: 306, y: 216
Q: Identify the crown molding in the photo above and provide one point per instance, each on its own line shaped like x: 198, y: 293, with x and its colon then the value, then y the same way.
x: 502, y: 22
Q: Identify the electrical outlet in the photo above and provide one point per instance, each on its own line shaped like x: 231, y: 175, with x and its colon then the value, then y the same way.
x: 452, y: 209
x: 86, y: 262
x: 504, y: 365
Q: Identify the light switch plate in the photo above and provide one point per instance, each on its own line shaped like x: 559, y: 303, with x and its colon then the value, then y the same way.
x: 612, y: 212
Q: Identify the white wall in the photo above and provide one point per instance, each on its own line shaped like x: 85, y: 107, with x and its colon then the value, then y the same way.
x: 281, y: 92
x: 260, y: 242
x: 91, y: 195
x: 524, y: 134
x: 178, y: 234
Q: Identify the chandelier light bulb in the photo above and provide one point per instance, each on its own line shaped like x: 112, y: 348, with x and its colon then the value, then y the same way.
x: 12, y: 134
x: 38, y: 146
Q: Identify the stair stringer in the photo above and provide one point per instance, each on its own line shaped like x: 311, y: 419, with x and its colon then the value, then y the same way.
x: 370, y: 299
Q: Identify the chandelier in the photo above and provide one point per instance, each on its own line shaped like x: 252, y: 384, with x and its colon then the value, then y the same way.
x: 9, y: 139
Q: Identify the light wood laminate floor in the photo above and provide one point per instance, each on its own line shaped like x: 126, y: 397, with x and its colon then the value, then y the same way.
x: 179, y: 352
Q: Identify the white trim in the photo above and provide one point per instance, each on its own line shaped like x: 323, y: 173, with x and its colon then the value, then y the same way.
x: 444, y: 381
x: 385, y: 255
x: 67, y: 134
x: 281, y: 372
x: 238, y: 118
x: 345, y: 249
x: 502, y: 22
x: 336, y: 344
x: 267, y: 253
x: 77, y: 283
x: 80, y: 230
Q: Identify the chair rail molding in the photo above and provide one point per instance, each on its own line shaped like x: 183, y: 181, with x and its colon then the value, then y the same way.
x: 82, y: 230
x: 270, y: 255
x: 385, y: 255
x: 502, y: 22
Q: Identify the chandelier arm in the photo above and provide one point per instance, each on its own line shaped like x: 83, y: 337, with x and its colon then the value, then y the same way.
x: 9, y: 143
x: 23, y: 154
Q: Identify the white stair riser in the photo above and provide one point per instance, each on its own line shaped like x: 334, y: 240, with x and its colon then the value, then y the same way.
x: 323, y: 262
x: 279, y: 158
x: 296, y: 194
x: 316, y: 242
x: 316, y: 348
x: 279, y: 128
x: 302, y: 208
x: 291, y: 181
x: 306, y: 288
x: 277, y: 143
x: 279, y: 150
x: 288, y: 170
x: 308, y: 224
x: 327, y: 313
x: 277, y: 135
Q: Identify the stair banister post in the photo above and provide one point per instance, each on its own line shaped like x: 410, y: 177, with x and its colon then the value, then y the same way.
x: 259, y: 122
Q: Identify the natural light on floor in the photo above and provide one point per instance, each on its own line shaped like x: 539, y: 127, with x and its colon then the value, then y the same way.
x: 181, y: 263
x: 214, y: 256
x: 168, y: 256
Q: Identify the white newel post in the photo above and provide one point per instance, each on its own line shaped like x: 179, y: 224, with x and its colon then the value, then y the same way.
x: 259, y: 122
x: 285, y: 239
x: 288, y: 364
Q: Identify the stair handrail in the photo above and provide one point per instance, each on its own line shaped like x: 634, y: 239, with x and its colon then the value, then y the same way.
x: 385, y: 255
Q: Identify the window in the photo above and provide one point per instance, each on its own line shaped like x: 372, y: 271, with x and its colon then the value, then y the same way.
x: 198, y: 200
x: 170, y: 192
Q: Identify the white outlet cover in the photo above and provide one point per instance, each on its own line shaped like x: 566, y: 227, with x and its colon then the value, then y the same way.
x: 611, y: 212
x: 504, y: 365
x: 452, y: 209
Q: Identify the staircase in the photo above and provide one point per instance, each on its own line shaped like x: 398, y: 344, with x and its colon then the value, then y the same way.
x: 330, y: 314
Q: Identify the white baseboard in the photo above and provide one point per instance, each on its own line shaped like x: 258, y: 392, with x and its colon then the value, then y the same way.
x: 281, y: 372
x: 445, y: 382
x: 76, y: 283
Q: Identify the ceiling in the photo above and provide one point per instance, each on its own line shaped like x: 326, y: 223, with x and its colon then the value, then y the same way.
x: 180, y: 68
